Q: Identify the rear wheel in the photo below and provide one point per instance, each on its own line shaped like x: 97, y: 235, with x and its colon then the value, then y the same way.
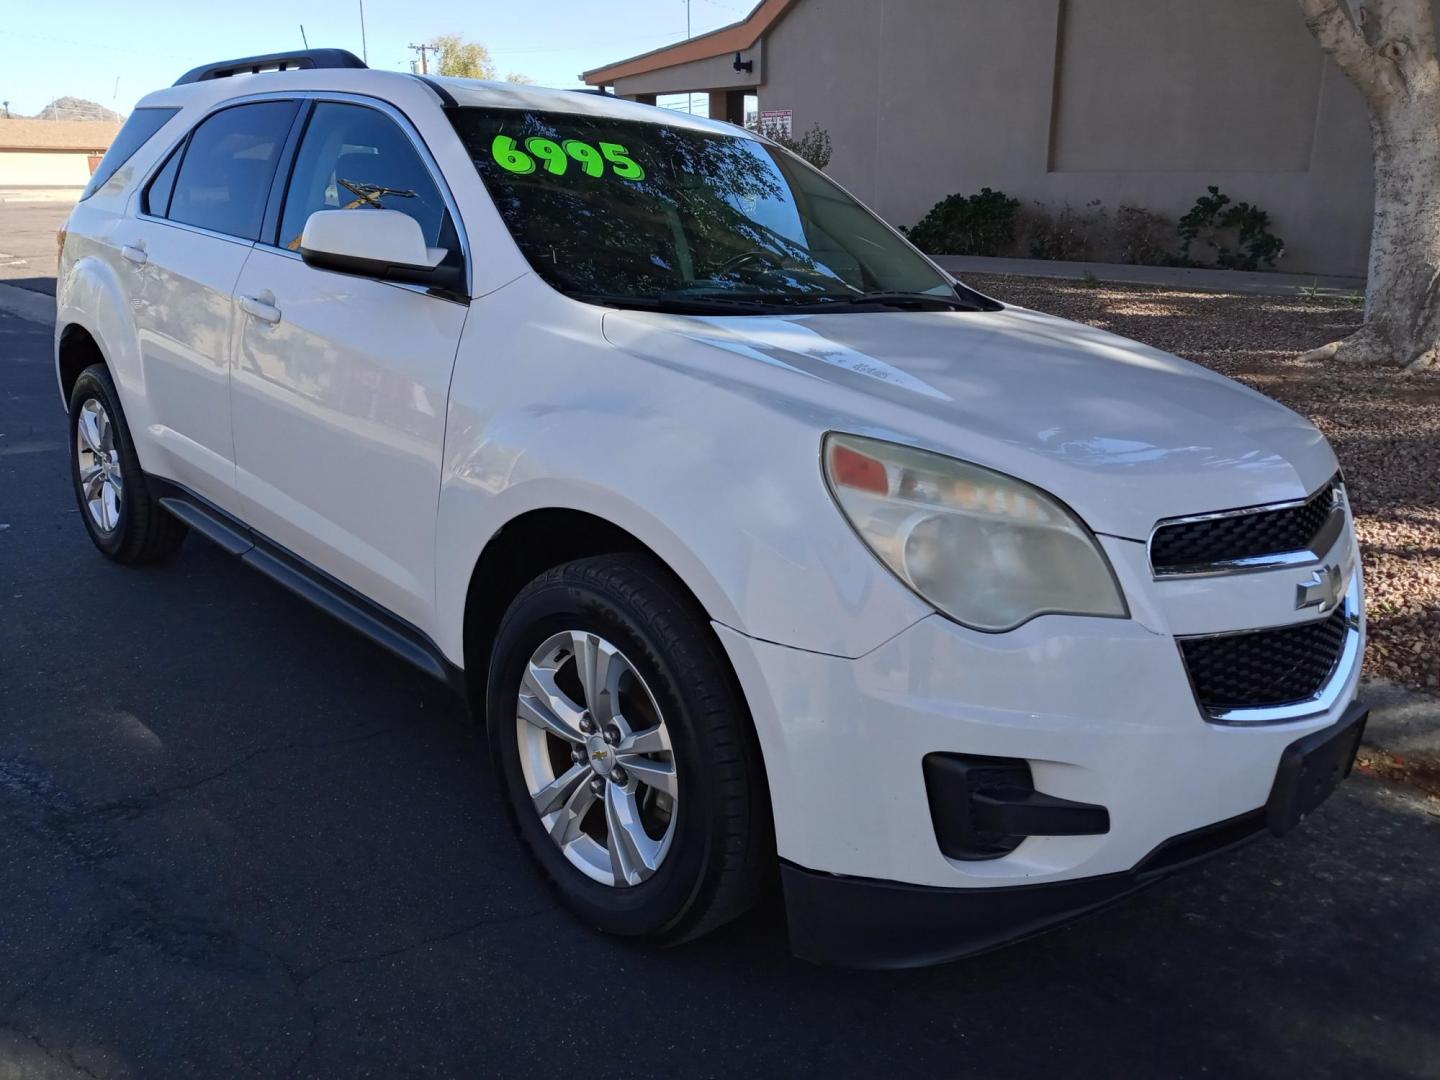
x: 123, y: 519
x: 625, y: 751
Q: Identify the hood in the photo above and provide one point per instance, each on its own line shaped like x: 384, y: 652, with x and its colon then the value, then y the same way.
x: 1123, y: 433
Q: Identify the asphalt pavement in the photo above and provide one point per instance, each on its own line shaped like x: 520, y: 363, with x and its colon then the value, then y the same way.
x: 27, y: 237
x: 238, y: 840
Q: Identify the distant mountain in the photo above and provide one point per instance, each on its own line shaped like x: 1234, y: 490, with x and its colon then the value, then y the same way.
x: 72, y: 108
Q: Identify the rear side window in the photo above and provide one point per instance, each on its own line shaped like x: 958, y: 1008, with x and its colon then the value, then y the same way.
x: 228, y: 166
x: 157, y: 195
x: 134, y: 134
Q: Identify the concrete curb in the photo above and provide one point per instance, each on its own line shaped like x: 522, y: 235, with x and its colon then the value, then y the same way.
x: 36, y: 306
x: 15, y: 196
x: 1169, y: 277
x: 1402, y: 721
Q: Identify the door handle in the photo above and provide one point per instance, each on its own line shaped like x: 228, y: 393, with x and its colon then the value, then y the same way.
x: 135, y: 254
x: 260, y: 308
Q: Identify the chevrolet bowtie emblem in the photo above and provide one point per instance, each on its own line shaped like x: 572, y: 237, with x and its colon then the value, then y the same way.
x: 1323, y: 590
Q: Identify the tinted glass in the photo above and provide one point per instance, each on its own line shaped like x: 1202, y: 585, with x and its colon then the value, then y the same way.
x: 157, y: 195
x: 354, y: 158
x: 606, y: 208
x: 134, y: 134
x: 227, y: 169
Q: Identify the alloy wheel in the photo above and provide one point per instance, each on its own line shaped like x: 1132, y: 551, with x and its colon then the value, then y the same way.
x: 597, y: 758
x: 98, y: 462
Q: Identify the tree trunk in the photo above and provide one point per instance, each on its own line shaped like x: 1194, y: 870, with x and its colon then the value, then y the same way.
x: 1388, y: 49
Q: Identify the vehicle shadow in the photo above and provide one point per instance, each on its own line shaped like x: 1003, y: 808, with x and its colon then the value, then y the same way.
x: 44, y: 285
x: 245, y: 805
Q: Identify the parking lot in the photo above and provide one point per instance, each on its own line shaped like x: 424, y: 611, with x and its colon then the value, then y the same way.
x: 235, y: 839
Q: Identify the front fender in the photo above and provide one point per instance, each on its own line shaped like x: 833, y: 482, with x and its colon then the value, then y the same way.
x: 719, y: 477
x: 468, y: 521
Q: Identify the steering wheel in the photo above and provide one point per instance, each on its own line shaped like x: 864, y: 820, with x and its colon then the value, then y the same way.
x: 754, y: 255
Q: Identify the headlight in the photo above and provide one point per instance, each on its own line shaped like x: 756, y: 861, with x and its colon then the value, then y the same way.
x: 988, y: 550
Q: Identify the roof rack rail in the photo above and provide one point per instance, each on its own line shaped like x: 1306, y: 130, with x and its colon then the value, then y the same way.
x: 286, y: 61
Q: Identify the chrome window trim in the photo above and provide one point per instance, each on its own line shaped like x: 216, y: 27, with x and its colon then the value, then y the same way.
x: 1322, y: 701
x: 198, y: 230
x: 1319, y: 547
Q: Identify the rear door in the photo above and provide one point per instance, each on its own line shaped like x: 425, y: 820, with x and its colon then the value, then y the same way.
x: 197, y: 219
x: 340, y: 382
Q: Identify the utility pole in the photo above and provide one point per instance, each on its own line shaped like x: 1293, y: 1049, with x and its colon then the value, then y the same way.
x: 689, y: 98
x: 424, y: 62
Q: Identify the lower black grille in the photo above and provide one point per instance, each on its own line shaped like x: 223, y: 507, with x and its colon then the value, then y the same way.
x: 1265, y: 667
x: 1187, y: 545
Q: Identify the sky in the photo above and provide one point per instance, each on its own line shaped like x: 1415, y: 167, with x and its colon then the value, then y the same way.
x: 116, y: 51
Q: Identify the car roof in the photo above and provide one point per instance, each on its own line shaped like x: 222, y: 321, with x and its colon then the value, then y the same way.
x: 399, y: 87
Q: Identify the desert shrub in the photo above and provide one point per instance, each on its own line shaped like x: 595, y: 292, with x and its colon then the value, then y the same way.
x: 813, y: 145
x: 1066, y: 234
x: 1142, y: 237
x: 979, y: 224
x: 1238, y: 234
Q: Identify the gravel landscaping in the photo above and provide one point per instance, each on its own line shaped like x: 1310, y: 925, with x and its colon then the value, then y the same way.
x: 1385, y: 427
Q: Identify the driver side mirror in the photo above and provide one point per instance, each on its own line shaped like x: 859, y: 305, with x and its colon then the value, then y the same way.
x: 383, y: 244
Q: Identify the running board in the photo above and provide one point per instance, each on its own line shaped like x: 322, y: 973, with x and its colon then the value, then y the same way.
x: 309, y: 582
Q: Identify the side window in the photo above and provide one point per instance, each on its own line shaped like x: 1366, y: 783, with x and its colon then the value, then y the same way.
x: 357, y: 158
x: 157, y: 195
x: 227, y: 169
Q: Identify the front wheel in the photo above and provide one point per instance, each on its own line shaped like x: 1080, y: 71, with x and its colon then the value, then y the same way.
x: 625, y: 751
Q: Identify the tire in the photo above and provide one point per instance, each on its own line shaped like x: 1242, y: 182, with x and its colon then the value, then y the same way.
x: 720, y: 847
x: 123, y: 519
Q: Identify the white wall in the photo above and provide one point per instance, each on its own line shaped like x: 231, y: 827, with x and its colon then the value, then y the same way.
x: 1144, y: 102
x: 21, y: 168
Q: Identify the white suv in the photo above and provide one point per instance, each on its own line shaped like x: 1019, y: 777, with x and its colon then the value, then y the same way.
x: 756, y: 538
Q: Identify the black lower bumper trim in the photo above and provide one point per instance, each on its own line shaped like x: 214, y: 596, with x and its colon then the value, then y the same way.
x: 864, y: 923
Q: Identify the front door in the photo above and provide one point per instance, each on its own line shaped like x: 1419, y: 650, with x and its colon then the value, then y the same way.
x: 340, y: 382
x: 182, y: 254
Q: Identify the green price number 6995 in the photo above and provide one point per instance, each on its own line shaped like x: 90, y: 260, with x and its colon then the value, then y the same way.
x: 556, y: 157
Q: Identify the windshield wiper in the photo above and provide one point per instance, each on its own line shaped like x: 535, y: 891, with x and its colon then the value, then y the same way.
x: 900, y: 299
x: 779, y: 303
x: 678, y: 305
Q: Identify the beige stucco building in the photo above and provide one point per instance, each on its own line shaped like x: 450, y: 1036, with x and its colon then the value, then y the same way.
x: 52, y: 153
x: 1140, y: 102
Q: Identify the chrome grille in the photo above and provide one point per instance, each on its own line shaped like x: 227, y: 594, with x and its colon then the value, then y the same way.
x: 1218, y: 542
x: 1265, y: 668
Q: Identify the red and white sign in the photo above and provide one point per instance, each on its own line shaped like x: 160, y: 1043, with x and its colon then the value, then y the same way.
x: 776, y: 121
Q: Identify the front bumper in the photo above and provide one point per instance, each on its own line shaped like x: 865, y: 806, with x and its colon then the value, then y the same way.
x: 857, y: 922
x: 1100, y: 710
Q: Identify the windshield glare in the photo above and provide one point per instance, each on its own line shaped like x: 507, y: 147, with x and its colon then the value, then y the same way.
x: 608, y: 209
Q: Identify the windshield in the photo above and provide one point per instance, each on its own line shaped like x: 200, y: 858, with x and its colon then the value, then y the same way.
x: 655, y: 215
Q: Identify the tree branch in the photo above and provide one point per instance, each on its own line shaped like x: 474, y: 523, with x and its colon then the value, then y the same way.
x: 1343, y: 42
